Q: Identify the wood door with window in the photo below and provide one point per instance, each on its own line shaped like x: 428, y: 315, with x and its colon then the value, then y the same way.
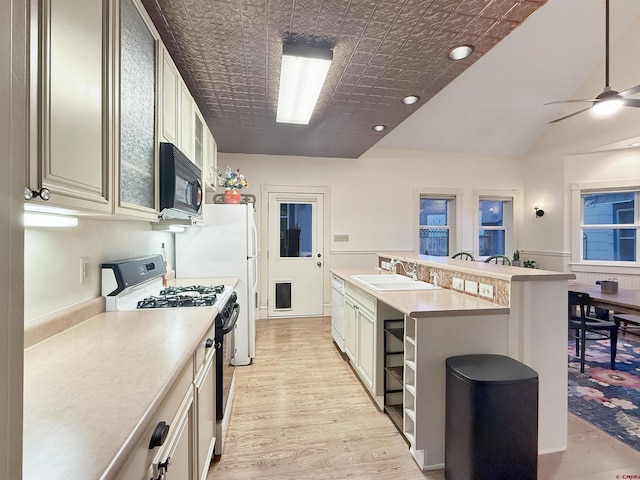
x: 296, y: 263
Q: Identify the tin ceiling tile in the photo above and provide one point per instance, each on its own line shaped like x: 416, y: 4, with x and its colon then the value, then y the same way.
x: 229, y: 53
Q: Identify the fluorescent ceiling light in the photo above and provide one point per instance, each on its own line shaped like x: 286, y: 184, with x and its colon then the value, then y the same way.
x: 46, y: 220
x: 302, y: 74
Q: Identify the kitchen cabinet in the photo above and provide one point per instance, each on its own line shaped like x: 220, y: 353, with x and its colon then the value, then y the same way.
x: 136, y: 163
x: 211, y: 162
x: 198, y: 139
x: 185, y: 118
x: 173, y: 423
x: 364, y: 318
x: 205, y: 404
x: 350, y: 320
x: 169, y: 82
x: 70, y: 152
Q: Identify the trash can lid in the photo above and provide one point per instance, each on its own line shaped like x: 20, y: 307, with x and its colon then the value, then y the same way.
x: 490, y: 368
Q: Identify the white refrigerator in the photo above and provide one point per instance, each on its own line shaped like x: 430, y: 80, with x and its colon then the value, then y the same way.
x: 226, y: 246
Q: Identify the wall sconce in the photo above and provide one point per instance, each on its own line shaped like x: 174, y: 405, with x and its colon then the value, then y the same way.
x: 539, y: 211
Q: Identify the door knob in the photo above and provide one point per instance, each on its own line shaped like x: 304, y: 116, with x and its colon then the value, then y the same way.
x: 319, y: 255
x: 319, y: 264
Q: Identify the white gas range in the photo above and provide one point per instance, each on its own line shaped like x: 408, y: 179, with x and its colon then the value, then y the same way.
x: 136, y: 283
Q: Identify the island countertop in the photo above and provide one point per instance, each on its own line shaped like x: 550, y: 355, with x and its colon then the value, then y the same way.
x: 424, y: 303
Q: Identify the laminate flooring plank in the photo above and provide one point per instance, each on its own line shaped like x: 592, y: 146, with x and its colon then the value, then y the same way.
x: 299, y: 412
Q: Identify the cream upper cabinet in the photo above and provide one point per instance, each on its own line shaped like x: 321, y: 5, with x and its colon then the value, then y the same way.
x: 185, y: 131
x: 69, y: 94
x: 136, y: 161
x: 170, y: 80
x: 211, y: 162
x: 198, y: 139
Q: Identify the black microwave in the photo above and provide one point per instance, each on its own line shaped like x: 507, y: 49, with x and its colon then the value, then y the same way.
x: 180, y: 184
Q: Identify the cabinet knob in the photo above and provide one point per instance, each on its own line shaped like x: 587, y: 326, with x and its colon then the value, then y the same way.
x: 43, y: 193
x: 208, y: 343
x: 159, y: 435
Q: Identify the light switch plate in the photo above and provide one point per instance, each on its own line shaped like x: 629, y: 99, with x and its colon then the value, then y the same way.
x: 341, y: 238
x: 486, y: 291
x: 471, y: 287
x: 457, y: 284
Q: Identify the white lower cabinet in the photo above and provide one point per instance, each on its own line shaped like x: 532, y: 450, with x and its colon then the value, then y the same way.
x: 205, y: 389
x: 178, y: 442
x: 167, y: 428
x: 350, y: 313
x: 364, y: 317
x: 366, y: 358
x: 174, y: 460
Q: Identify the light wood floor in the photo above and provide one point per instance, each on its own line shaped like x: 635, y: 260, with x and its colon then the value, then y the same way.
x: 300, y: 413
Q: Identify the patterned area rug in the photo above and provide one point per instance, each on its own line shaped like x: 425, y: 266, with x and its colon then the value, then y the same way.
x: 608, y: 399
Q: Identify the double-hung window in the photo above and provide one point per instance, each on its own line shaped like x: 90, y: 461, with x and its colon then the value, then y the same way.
x: 609, y: 227
x: 436, y: 225
x: 495, y: 217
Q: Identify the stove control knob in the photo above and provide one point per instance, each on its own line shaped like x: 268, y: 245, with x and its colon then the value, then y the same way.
x: 159, y: 435
x: 208, y: 343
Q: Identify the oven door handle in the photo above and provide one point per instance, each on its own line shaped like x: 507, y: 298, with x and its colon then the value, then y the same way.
x: 230, y: 325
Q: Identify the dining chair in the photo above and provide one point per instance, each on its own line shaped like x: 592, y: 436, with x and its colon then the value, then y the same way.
x: 498, y: 259
x: 463, y: 256
x: 584, y: 328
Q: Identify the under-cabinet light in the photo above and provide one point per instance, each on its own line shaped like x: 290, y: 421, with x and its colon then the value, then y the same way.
x: 302, y: 75
x: 32, y: 219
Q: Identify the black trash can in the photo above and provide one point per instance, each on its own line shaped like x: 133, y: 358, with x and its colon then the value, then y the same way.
x: 491, y: 419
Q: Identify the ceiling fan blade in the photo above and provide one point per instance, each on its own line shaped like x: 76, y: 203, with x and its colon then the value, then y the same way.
x: 631, y: 91
x: 570, y: 115
x: 631, y: 102
x: 591, y: 100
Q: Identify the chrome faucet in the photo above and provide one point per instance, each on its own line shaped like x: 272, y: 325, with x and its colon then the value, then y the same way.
x: 435, y: 277
x: 413, y: 272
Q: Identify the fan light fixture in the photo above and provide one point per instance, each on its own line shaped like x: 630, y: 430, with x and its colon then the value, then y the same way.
x: 460, y: 52
x: 604, y: 108
x: 302, y: 74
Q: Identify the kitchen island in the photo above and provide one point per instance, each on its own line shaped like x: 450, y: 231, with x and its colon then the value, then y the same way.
x: 524, y: 319
x: 94, y: 393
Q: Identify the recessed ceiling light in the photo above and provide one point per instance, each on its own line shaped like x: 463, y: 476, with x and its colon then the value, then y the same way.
x: 379, y: 128
x: 410, y: 99
x: 460, y: 52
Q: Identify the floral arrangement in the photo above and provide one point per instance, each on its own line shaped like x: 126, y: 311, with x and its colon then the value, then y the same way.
x: 231, y: 179
x: 530, y: 264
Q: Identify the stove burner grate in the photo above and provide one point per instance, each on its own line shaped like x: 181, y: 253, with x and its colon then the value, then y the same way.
x: 202, y: 290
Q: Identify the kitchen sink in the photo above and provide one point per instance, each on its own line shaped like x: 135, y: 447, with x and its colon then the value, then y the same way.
x: 393, y: 282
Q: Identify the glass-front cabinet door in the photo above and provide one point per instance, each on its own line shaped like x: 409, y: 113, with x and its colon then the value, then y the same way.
x: 136, y: 170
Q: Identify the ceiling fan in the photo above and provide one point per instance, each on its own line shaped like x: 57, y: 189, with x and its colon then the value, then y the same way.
x: 609, y: 100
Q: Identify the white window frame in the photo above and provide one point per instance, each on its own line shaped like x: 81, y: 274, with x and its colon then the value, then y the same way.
x: 601, y: 266
x: 454, y: 224
x: 511, y: 236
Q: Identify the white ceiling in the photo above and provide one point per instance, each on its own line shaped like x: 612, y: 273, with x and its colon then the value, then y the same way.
x: 496, y: 107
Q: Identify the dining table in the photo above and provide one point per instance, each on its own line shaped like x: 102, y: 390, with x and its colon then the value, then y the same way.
x: 623, y: 301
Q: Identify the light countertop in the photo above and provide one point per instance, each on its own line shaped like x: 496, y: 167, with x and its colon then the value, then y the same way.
x: 426, y: 303
x: 90, y: 391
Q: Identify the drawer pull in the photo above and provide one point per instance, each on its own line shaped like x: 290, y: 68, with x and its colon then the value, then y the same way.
x: 159, y: 435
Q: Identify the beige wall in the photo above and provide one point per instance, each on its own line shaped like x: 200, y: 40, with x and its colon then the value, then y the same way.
x: 372, y: 198
x: 52, y: 259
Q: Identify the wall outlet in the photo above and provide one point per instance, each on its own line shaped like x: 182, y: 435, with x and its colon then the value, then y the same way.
x: 486, y: 291
x: 457, y: 284
x: 84, y: 269
x: 471, y: 287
